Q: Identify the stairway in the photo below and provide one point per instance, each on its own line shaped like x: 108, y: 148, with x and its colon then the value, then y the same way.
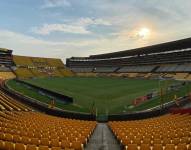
x: 102, y: 139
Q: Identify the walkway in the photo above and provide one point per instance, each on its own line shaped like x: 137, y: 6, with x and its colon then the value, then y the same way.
x: 102, y: 139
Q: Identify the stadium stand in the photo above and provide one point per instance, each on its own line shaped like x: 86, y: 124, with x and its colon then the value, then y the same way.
x: 181, y: 76
x: 89, y: 74
x: 23, y: 72
x: 105, y: 69
x: 6, y: 57
x: 148, y: 75
x: 174, y: 68
x: 188, y: 77
x: 136, y: 69
x: 28, y: 67
x: 55, y: 62
x: 36, y: 131
x: 8, y: 103
x: 7, y: 75
x: 141, y: 75
x: 168, y: 75
x: 22, y: 61
x: 6, y: 64
x: 132, y: 75
x: 171, y: 59
x: 168, y: 132
x: 85, y: 69
x: 22, y: 128
x: 65, y: 72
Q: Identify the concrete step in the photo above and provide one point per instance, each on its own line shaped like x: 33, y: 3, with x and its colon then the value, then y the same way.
x: 102, y: 139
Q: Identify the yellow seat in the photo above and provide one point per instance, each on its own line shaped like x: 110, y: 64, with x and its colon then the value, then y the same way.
x: 54, y: 136
x: 16, y: 138
x: 1, y: 145
x: 2, y: 136
x: 8, y: 146
x: 23, y: 133
x: 43, y: 147
x: 166, y: 141
x: 55, y: 143
x: 65, y: 144
x: 19, y: 146
x: 77, y: 145
x: 44, y: 141
x: 169, y: 147
x: 181, y: 147
x: 145, y: 147
x: 82, y: 139
x: 34, y: 141
x: 146, y: 141
x: 126, y: 141
x: 176, y: 141
x: 37, y: 135
x: 157, y: 141
x: 180, y: 134
x: 8, y: 137
x: 31, y: 147
x: 157, y: 147
x: 189, y: 147
x: 55, y: 148
x: 137, y: 141
x: 185, y: 140
x: 132, y: 147
x: 25, y: 140
x: 30, y: 134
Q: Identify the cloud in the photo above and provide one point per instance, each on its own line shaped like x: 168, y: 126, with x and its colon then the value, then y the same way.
x: 90, y: 21
x: 28, y: 45
x: 55, y: 3
x: 76, y: 27
x: 48, y: 28
x: 8, y: 38
x: 93, y: 27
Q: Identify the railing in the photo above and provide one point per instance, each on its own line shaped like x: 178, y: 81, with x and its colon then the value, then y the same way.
x: 42, y: 107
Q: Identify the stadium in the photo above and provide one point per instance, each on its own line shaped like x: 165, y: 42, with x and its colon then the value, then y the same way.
x: 133, y: 99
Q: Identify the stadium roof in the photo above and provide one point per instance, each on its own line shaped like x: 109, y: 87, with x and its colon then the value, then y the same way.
x: 163, y: 47
x: 35, y: 57
x: 5, y: 50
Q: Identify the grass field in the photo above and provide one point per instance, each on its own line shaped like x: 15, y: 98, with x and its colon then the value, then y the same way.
x: 112, y: 95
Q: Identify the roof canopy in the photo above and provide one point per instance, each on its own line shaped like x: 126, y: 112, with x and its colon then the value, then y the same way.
x: 5, y: 50
x: 164, y: 47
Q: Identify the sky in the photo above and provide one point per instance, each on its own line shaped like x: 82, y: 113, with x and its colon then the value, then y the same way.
x: 66, y: 28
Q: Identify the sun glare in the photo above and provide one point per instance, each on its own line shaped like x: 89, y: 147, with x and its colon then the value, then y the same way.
x: 144, y: 32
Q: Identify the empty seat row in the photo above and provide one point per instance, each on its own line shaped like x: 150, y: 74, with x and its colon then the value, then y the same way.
x: 33, y: 128
x: 19, y: 146
x: 164, y: 130
x: 158, y: 147
x: 8, y: 103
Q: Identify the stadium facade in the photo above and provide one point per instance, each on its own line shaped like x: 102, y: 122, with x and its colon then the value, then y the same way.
x: 172, y: 59
x: 26, y: 124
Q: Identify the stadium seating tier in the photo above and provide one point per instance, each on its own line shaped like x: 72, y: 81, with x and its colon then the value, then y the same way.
x: 168, y: 132
x: 33, y: 130
x: 7, y: 75
x: 29, y: 67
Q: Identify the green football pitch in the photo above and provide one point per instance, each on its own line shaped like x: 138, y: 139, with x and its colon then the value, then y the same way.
x: 105, y: 95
